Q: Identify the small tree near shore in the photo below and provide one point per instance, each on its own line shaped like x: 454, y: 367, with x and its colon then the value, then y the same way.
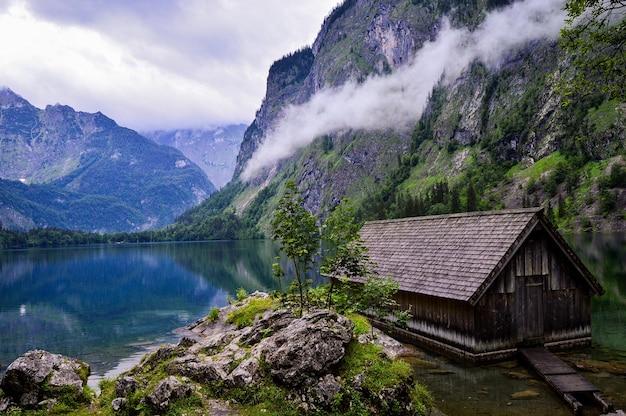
x: 296, y: 230
x: 345, y: 255
x: 345, y: 260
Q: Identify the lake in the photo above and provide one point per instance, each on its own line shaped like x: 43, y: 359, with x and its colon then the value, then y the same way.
x: 107, y: 305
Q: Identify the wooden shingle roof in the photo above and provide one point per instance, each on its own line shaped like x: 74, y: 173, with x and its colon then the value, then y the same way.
x: 454, y: 256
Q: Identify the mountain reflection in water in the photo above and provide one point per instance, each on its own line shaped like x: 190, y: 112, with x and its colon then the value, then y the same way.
x: 104, y: 304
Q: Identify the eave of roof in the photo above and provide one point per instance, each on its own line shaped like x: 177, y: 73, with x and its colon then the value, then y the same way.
x: 453, y: 256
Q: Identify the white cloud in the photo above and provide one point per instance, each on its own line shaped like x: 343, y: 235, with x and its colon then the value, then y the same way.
x: 396, y: 101
x: 152, y: 64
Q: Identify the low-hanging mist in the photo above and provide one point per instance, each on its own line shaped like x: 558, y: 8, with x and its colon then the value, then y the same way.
x: 396, y: 101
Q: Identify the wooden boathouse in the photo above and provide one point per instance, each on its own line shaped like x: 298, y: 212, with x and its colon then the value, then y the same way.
x: 481, y: 285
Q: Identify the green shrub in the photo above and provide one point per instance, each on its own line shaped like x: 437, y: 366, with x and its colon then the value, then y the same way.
x: 380, y: 374
x: 214, y: 314
x: 241, y: 294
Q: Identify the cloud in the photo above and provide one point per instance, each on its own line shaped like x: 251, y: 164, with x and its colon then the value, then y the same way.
x: 396, y: 101
x: 152, y: 63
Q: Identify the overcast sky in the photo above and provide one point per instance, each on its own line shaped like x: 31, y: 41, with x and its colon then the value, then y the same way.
x: 152, y: 64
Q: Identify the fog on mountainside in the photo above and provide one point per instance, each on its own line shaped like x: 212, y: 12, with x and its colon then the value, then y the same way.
x: 396, y: 101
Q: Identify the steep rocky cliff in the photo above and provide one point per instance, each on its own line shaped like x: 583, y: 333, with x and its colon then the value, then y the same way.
x: 497, y: 125
x: 214, y: 150
x: 68, y: 169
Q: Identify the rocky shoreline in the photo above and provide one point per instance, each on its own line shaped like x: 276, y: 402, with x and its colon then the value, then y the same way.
x: 246, y: 358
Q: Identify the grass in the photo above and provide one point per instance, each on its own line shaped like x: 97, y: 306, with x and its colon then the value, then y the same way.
x: 246, y: 315
x: 214, y: 314
x: 605, y: 116
x: 361, y: 324
x: 537, y: 169
x: 381, y: 374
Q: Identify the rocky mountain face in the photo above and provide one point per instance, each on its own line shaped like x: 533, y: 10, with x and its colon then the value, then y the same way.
x: 500, y: 129
x: 214, y: 150
x: 75, y: 170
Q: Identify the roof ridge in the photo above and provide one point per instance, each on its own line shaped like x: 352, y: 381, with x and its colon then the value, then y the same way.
x: 532, y: 210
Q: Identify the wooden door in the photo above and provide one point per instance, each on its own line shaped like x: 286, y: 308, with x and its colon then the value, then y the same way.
x: 529, y: 293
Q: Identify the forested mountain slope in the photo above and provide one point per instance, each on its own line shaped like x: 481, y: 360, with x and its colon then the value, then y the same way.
x: 67, y: 169
x: 459, y: 106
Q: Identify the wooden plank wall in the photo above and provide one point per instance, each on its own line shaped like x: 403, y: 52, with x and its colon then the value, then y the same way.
x: 444, y: 320
x: 492, y: 323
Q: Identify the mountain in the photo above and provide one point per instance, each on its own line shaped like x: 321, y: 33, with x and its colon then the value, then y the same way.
x: 415, y: 107
x: 76, y: 170
x: 214, y: 150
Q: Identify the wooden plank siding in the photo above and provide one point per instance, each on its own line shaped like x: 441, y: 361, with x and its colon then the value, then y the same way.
x: 480, y: 285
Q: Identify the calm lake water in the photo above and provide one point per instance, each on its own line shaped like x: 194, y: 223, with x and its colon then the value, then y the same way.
x: 107, y: 304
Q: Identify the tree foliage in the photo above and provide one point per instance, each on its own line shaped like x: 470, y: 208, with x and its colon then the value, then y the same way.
x: 296, y: 230
x: 595, y: 33
x: 346, y: 254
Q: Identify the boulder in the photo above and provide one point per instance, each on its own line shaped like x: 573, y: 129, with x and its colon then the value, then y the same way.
x: 167, y: 391
x: 267, y: 325
x: 326, y: 389
x: 197, y: 369
x: 38, y: 376
x: 307, y: 347
x: 392, y: 348
x: 126, y: 386
x: 118, y: 404
x: 247, y: 373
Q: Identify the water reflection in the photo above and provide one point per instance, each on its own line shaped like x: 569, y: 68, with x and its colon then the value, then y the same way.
x: 104, y: 304
x: 490, y: 390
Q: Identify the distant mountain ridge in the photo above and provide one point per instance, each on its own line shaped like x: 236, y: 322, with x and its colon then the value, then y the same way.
x: 82, y: 171
x: 214, y: 150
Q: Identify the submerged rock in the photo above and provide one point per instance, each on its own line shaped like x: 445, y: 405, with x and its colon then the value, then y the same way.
x: 524, y: 395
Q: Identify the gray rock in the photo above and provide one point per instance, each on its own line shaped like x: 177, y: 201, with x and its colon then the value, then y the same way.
x: 118, y: 404
x: 197, y: 369
x: 392, y: 348
x: 5, y: 404
x: 247, y: 373
x: 167, y: 391
x: 36, y: 375
x: 213, y: 343
x: 306, y: 348
x: 326, y: 389
x: 186, y: 342
x: 126, y: 386
x: 269, y: 324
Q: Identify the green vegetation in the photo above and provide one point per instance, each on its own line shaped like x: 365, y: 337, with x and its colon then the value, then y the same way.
x: 245, y: 315
x: 595, y: 35
x: 296, y: 230
x: 380, y: 374
x: 345, y: 260
x: 292, y: 68
x: 214, y: 314
x: 214, y: 219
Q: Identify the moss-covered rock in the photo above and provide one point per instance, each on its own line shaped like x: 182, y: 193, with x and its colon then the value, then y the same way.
x: 278, y: 364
